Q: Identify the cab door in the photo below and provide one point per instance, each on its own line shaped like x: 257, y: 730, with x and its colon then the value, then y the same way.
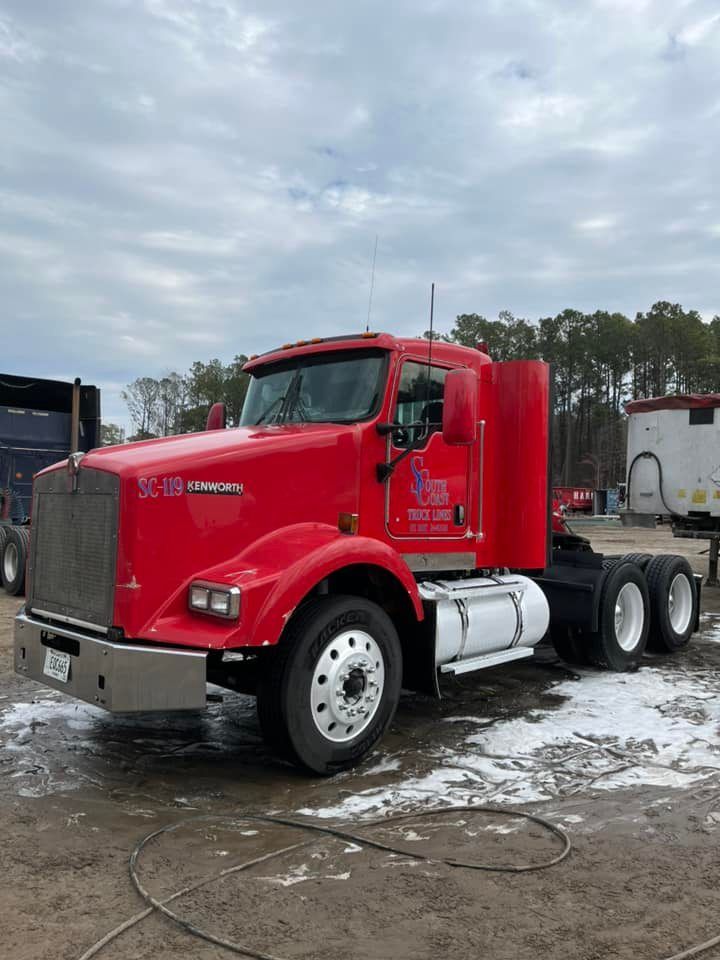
x: 428, y: 493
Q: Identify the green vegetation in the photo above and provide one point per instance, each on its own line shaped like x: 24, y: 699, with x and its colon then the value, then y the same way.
x: 600, y: 360
x: 179, y: 403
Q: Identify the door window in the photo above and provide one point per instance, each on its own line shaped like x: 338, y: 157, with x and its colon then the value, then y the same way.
x: 419, y: 402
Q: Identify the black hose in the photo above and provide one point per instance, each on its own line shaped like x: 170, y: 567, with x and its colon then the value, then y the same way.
x: 243, y: 950
x: 246, y: 951
x: 646, y: 454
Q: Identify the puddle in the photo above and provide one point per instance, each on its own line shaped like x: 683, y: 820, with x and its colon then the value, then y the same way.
x: 529, y: 733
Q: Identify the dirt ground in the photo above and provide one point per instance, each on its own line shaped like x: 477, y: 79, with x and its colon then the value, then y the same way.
x: 628, y: 765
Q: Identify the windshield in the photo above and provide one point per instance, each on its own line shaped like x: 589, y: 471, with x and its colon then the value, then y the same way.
x: 324, y: 388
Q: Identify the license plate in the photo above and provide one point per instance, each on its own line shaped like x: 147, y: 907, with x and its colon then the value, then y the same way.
x: 57, y: 665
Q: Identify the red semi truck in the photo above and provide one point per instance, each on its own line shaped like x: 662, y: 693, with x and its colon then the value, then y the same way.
x: 381, y: 516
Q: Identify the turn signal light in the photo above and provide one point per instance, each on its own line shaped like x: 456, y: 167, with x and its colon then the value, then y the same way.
x: 348, y: 522
x: 216, y: 599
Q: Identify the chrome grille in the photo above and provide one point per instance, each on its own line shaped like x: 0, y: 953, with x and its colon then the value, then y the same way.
x: 73, y: 546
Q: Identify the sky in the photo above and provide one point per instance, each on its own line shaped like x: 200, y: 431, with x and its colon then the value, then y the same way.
x: 188, y: 179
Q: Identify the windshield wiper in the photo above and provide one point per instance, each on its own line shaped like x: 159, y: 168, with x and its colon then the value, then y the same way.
x: 277, y: 401
x: 292, y: 399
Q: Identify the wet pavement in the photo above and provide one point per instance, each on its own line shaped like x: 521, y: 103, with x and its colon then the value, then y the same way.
x: 625, y: 762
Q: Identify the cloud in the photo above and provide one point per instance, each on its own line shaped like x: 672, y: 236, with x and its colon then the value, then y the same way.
x: 696, y: 32
x: 184, y: 179
x: 15, y: 46
x: 601, y: 224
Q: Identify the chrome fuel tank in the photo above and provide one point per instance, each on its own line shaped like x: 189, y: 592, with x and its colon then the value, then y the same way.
x: 485, y: 615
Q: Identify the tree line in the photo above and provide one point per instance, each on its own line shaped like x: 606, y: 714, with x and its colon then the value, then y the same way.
x: 179, y: 403
x: 600, y: 360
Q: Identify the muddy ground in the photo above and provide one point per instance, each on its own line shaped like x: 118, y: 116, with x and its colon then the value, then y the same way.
x: 629, y: 765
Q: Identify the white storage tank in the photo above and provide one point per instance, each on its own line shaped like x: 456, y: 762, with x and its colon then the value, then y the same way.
x: 673, y: 456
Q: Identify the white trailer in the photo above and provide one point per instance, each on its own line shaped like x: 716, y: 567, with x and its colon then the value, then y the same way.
x: 673, y: 457
x: 673, y: 465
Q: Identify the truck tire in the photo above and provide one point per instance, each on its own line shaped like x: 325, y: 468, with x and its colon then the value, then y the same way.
x: 3, y: 539
x: 570, y: 645
x: 14, y: 558
x: 624, y: 619
x: 673, y: 603
x: 332, y: 685
x: 639, y: 559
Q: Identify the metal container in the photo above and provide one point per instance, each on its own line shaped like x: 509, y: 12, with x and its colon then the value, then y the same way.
x: 673, y: 456
x: 485, y: 615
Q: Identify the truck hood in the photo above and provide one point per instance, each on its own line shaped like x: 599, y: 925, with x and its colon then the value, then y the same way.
x: 188, y: 451
x: 191, y: 502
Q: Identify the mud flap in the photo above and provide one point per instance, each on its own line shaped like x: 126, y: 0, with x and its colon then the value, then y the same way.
x: 419, y: 670
x: 573, y: 587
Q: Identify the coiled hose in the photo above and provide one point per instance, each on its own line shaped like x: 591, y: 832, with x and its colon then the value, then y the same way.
x: 320, y: 831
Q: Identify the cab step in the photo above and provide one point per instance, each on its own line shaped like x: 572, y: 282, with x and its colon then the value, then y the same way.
x: 487, y: 660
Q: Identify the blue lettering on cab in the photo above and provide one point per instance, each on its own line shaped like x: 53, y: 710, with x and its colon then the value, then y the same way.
x: 147, y: 487
x: 150, y: 487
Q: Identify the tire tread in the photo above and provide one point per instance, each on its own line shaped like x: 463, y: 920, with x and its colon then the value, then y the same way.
x: 657, y: 574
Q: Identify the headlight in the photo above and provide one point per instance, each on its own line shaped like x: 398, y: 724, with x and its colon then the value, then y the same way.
x: 216, y: 599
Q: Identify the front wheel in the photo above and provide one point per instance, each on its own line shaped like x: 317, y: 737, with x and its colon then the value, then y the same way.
x: 333, y: 684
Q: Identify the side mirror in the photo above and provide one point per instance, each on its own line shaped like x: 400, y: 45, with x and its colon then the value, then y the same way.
x: 217, y: 417
x: 459, y: 422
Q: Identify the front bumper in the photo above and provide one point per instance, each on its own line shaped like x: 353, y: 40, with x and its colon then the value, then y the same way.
x: 121, y: 677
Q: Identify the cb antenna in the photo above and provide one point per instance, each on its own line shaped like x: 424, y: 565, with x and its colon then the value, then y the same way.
x: 429, y: 370
x: 372, y: 285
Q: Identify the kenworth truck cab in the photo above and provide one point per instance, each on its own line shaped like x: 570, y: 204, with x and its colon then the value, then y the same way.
x: 360, y: 531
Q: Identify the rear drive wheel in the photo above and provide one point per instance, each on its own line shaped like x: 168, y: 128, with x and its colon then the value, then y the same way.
x: 673, y: 603
x: 639, y: 559
x: 624, y: 619
x: 333, y: 684
x: 14, y: 558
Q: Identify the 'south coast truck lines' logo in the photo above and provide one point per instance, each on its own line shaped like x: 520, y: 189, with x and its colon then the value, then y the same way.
x: 432, y: 498
x: 428, y: 492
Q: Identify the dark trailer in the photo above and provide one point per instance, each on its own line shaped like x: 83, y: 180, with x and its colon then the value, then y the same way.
x: 41, y: 422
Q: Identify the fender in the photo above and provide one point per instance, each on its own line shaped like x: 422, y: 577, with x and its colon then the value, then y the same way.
x: 275, y: 574
x: 314, y: 563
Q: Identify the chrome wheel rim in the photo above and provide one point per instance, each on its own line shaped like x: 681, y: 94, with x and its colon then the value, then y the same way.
x: 10, y: 562
x: 347, y: 685
x: 680, y: 603
x: 629, y: 617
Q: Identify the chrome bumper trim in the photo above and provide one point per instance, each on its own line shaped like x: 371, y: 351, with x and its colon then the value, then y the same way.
x: 121, y: 677
x: 71, y: 620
